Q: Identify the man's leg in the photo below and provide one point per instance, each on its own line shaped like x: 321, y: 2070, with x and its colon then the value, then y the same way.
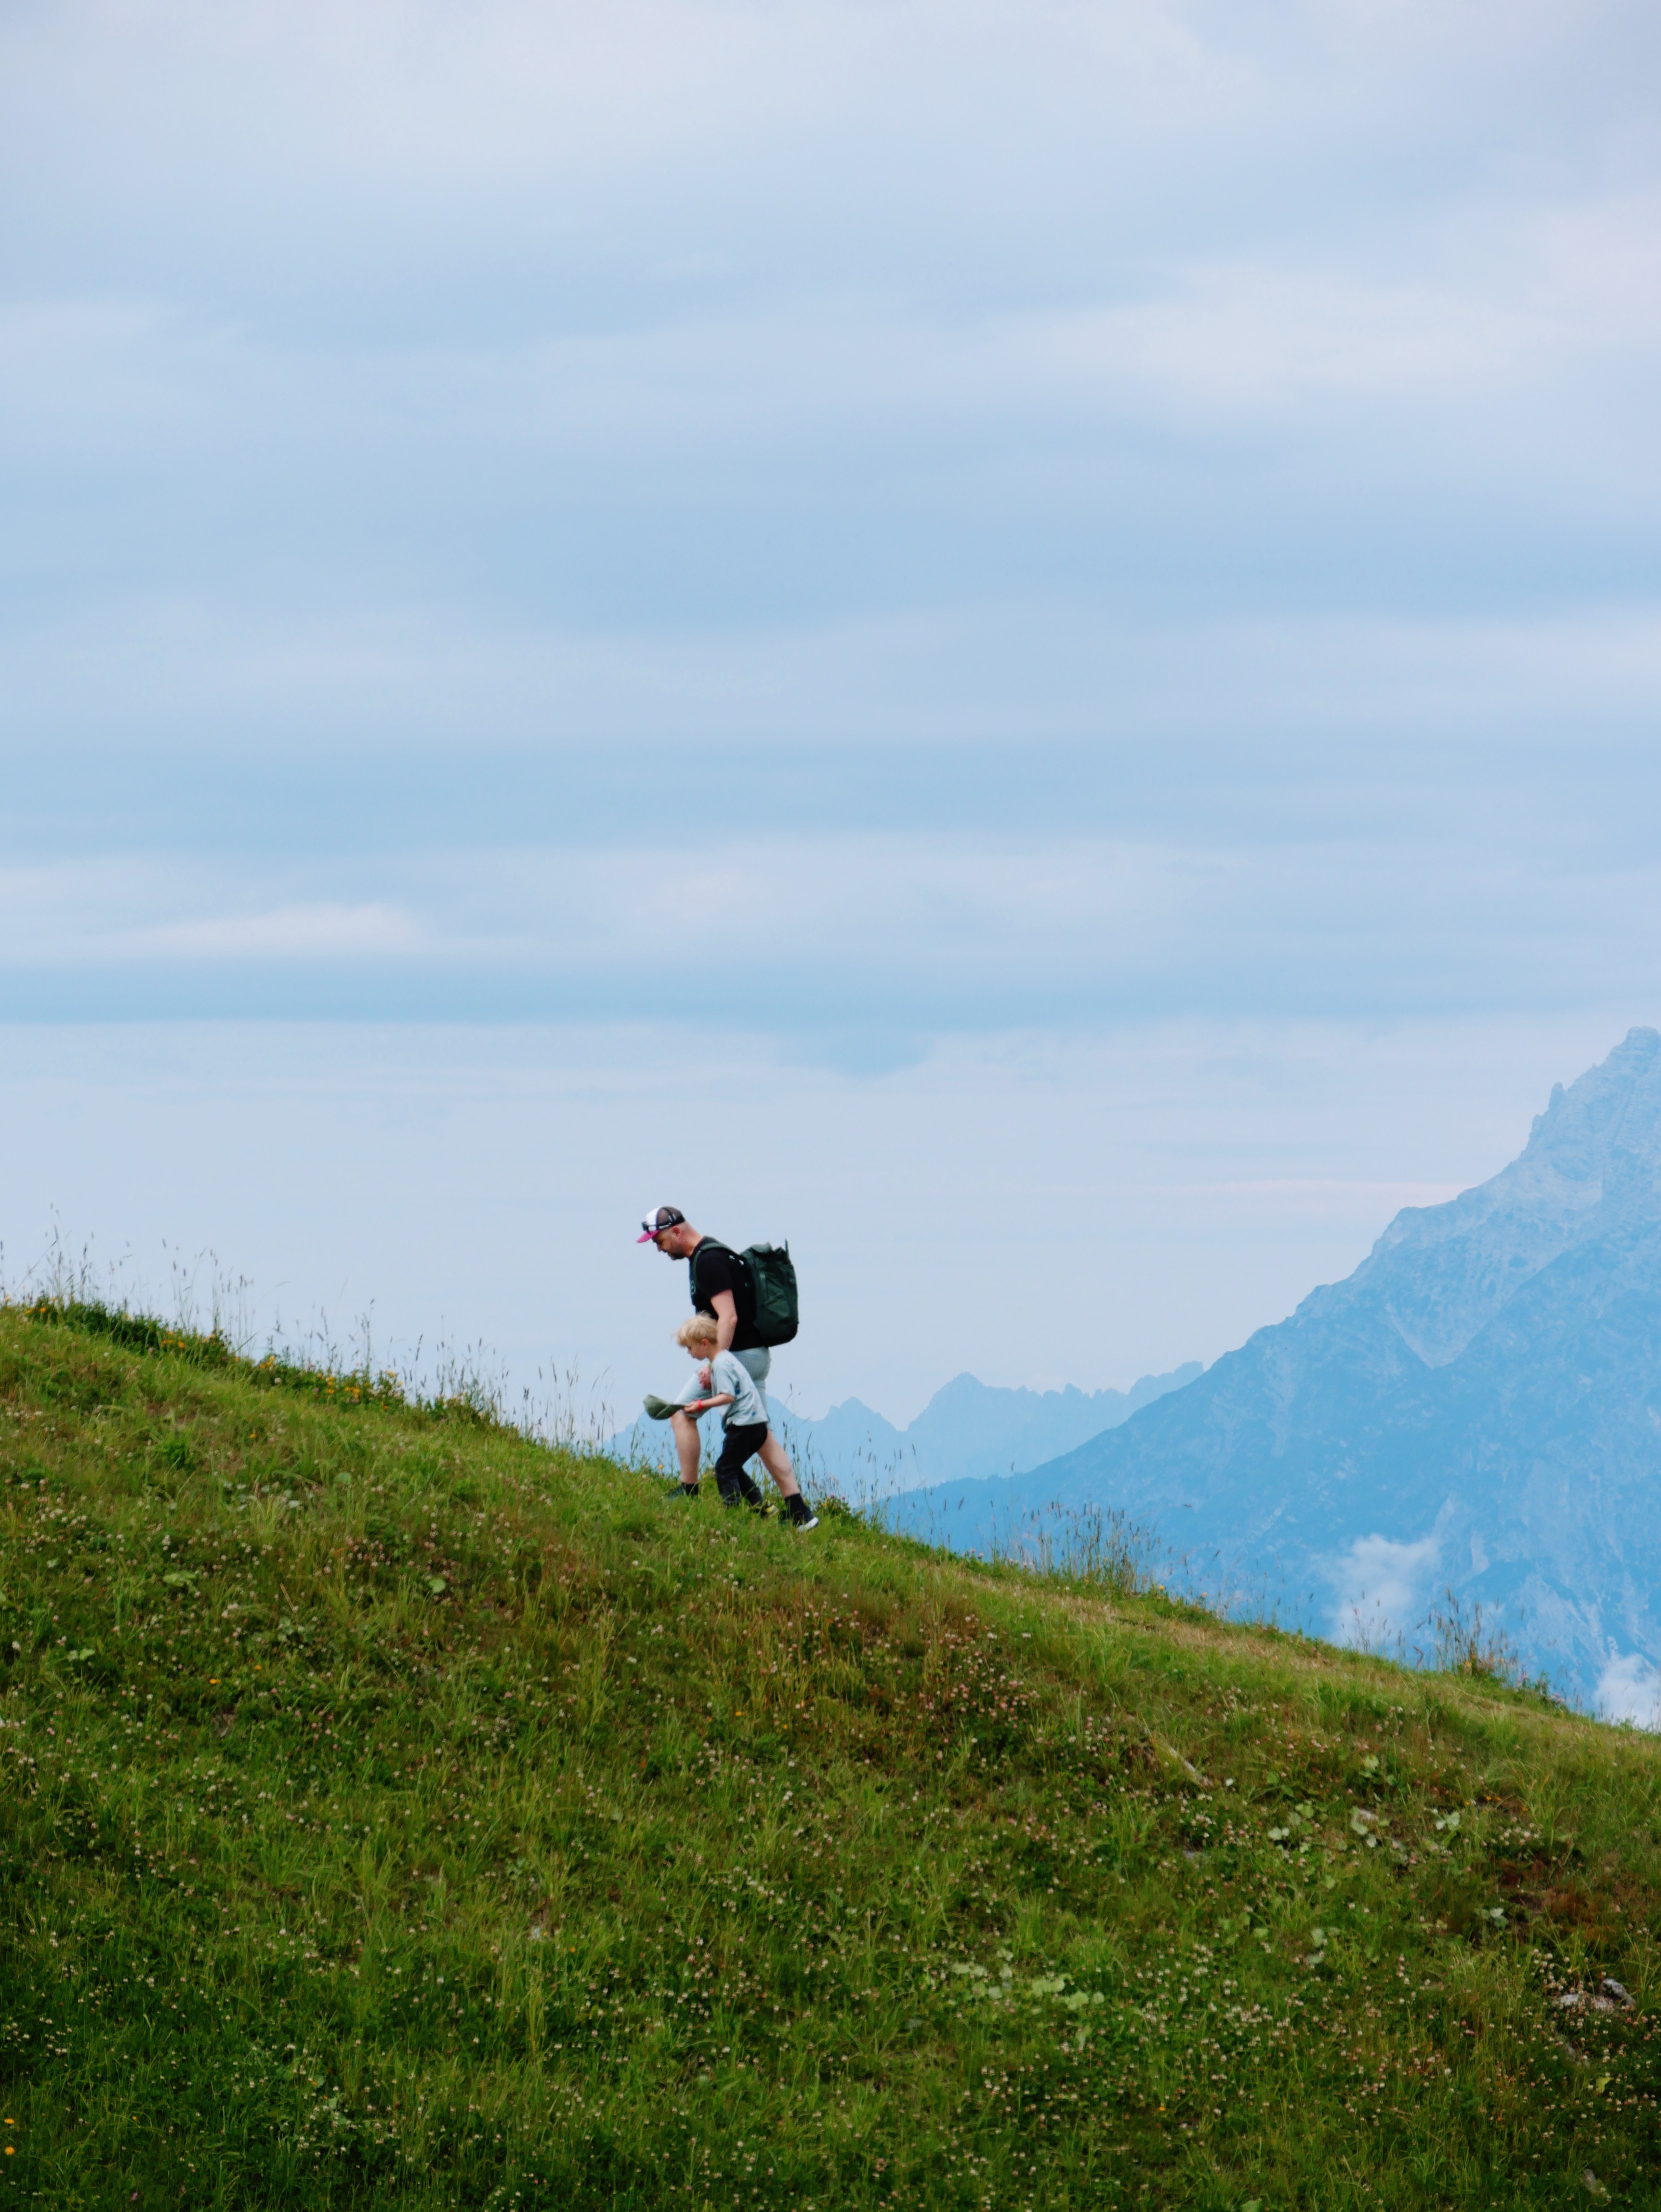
x: 777, y: 1461
x: 689, y: 1448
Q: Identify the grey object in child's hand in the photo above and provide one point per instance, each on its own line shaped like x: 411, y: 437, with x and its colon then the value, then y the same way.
x: 660, y: 1408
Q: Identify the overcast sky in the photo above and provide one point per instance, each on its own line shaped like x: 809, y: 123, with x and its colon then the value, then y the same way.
x: 1019, y: 641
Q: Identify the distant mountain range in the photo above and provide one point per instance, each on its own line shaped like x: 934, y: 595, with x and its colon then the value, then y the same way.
x: 968, y: 1429
x: 1475, y: 1410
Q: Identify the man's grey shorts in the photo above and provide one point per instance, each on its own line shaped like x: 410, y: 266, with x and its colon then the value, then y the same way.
x: 760, y: 1363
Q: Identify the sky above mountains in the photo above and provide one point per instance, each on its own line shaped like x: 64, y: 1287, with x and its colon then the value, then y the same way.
x: 753, y: 558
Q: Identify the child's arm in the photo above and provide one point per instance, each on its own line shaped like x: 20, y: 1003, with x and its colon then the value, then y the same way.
x: 708, y: 1405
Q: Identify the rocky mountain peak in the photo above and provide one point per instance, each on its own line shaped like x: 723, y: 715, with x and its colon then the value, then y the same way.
x: 1439, y: 1273
x: 1604, y: 1128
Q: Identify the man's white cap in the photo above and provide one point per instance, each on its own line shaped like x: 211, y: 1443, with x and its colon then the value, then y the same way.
x: 665, y: 1217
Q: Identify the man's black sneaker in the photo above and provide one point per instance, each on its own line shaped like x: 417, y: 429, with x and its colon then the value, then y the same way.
x: 688, y: 1491
x: 802, y: 1515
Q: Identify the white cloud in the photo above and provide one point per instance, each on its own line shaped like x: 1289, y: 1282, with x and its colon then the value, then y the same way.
x: 1255, y: 335
x: 1629, y: 1689
x: 904, y: 933
x: 1382, y: 1586
x: 130, y: 910
x: 290, y: 933
x: 205, y: 681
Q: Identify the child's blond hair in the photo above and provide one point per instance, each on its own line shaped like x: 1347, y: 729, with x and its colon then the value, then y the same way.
x: 700, y: 1329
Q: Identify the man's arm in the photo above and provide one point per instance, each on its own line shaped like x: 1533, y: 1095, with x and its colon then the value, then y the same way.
x: 726, y: 1309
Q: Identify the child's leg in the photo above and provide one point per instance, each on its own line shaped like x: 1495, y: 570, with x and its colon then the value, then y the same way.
x: 741, y: 1446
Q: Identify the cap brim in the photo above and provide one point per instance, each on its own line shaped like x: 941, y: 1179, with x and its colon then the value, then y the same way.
x: 650, y: 1237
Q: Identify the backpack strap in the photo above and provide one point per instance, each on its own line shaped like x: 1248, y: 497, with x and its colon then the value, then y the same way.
x: 715, y: 1244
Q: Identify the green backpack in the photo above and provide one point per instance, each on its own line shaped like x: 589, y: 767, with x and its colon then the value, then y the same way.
x: 770, y: 1273
x: 773, y: 1285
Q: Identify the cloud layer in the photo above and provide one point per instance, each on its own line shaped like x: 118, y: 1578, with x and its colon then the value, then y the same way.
x: 899, y: 541
x: 1164, y: 496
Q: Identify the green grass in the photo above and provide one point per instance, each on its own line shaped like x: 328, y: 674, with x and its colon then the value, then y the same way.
x: 394, y: 1812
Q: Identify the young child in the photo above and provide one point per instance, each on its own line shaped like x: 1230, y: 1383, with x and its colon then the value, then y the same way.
x: 726, y: 1382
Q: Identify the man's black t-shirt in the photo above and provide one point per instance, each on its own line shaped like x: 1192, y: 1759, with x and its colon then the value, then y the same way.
x: 713, y: 1268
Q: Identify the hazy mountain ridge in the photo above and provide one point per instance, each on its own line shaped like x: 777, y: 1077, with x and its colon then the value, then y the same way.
x: 969, y: 1429
x: 1478, y: 1406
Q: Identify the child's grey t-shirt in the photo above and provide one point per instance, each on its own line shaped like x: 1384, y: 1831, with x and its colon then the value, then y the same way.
x: 748, y: 1408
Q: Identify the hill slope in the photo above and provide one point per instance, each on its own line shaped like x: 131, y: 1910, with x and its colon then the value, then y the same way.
x: 968, y: 1429
x: 396, y: 1812
x: 1478, y: 1406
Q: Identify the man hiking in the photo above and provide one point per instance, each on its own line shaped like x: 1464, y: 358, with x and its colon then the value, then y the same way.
x: 720, y: 1285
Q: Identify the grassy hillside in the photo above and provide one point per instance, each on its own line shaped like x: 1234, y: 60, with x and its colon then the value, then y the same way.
x: 393, y: 1812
